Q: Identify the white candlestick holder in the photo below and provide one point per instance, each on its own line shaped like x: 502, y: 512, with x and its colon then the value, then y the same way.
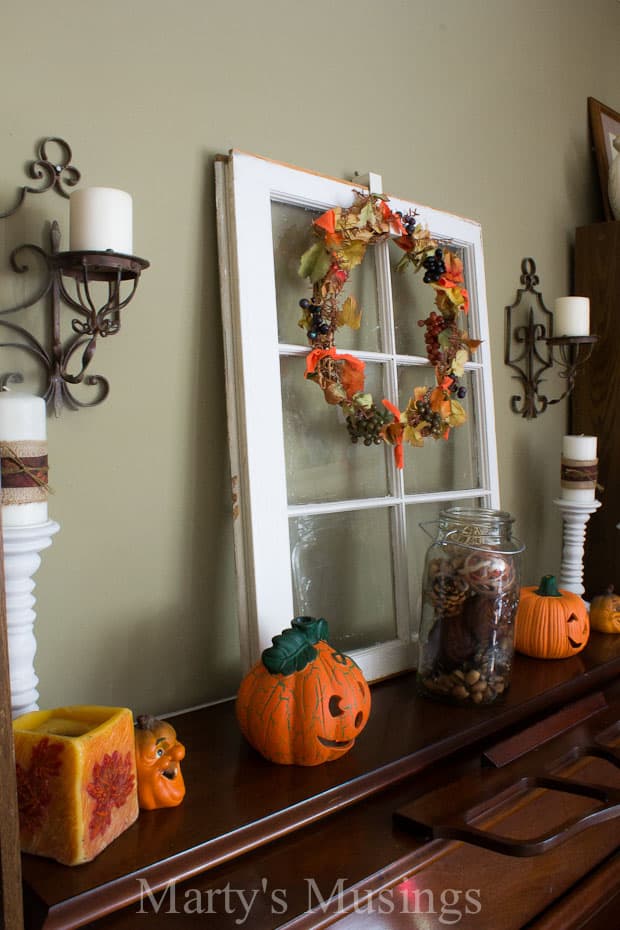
x: 575, y: 516
x: 22, y: 545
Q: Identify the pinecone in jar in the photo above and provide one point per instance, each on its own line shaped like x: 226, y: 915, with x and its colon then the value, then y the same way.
x: 448, y: 593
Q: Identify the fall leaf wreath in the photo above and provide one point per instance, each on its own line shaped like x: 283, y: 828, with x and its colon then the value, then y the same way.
x: 344, y: 235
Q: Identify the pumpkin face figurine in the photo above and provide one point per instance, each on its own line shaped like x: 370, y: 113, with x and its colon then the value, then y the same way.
x: 158, y: 754
x: 304, y: 703
x: 605, y: 612
x: 551, y: 623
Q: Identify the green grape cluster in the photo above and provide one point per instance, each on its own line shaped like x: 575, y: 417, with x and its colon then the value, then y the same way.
x: 366, y: 424
x: 425, y: 414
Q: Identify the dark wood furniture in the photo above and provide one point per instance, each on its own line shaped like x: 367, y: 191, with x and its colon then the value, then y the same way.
x: 350, y: 843
x: 596, y: 399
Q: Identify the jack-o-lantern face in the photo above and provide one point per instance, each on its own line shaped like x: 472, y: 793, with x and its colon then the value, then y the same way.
x: 158, y: 754
x: 551, y: 623
x: 577, y: 631
x: 304, y: 703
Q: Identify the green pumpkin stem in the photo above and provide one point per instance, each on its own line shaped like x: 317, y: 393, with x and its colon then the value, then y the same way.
x: 313, y: 629
x: 548, y: 587
x: 293, y: 649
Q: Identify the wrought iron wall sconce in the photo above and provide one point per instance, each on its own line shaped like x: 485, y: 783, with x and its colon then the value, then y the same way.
x: 529, y: 344
x: 71, y: 278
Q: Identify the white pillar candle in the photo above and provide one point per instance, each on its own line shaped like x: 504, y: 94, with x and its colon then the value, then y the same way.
x: 571, y: 316
x: 579, y: 449
x: 22, y: 423
x: 101, y: 219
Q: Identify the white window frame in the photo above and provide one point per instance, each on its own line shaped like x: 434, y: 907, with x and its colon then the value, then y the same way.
x: 246, y: 186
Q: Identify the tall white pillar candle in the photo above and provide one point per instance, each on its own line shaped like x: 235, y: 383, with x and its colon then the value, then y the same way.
x: 23, y: 436
x: 571, y: 316
x: 101, y: 218
x: 579, y: 452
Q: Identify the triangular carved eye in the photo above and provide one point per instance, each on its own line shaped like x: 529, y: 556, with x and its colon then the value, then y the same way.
x: 572, y: 618
x: 334, y: 706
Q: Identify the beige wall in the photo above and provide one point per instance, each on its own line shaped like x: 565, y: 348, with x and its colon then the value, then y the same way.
x: 473, y: 106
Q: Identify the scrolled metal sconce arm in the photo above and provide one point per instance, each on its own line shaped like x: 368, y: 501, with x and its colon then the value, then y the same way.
x: 529, y: 346
x: 96, y: 317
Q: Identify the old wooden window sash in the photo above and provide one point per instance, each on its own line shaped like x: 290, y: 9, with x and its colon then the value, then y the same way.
x: 324, y: 527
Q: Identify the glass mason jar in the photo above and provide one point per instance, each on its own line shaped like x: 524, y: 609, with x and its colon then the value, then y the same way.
x: 469, y: 600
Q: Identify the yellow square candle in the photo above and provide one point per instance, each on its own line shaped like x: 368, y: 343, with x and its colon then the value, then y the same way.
x: 76, y: 780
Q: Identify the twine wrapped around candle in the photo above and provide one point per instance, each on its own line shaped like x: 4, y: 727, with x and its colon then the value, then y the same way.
x: 24, y: 469
x: 576, y: 474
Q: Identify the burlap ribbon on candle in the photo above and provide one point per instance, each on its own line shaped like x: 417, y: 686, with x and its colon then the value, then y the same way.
x: 24, y: 472
x: 576, y: 474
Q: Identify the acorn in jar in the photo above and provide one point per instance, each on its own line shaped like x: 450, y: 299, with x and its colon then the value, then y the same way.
x: 469, y: 602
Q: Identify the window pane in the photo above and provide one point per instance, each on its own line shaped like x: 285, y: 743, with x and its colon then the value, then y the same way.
x: 322, y: 464
x: 292, y: 235
x: 342, y: 571
x: 413, y: 301
x: 418, y: 540
x: 440, y: 465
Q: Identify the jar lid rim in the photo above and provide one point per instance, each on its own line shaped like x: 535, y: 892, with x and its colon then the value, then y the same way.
x: 483, y: 514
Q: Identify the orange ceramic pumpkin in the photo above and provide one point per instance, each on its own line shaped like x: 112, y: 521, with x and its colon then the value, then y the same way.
x: 551, y: 623
x: 605, y: 612
x: 305, y: 702
x: 158, y: 754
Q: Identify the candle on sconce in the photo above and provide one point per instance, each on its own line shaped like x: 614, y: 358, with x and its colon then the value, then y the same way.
x: 571, y: 316
x: 101, y: 219
x: 579, y: 468
x: 23, y: 458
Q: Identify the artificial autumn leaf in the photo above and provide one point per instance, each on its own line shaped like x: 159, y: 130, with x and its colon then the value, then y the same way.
x: 351, y: 254
x: 333, y: 241
x: 472, y: 344
x: 425, y: 244
x: 334, y: 393
x: 413, y: 434
x: 395, y: 223
x: 458, y: 363
x: 457, y: 414
x: 363, y: 400
x: 367, y: 214
x: 349, y: 220
x: 452, y: 293
x: 407, y: 245
x: 454, y: 267
x: 351, y: 314
x: 352, y: 378
x: 315, y: 262
x: 440, y: 403
x: 442, y: 301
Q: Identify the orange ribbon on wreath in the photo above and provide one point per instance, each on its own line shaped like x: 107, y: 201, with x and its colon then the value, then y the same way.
x: 395, y: 432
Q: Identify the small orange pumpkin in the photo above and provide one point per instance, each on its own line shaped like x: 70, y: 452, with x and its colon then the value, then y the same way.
x: 605, y: 612
x: 158, y: 754
x: 304, y: 702
x: 551, y: 623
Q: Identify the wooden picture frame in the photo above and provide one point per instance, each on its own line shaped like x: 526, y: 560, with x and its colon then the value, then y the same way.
x: 604, y: 125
